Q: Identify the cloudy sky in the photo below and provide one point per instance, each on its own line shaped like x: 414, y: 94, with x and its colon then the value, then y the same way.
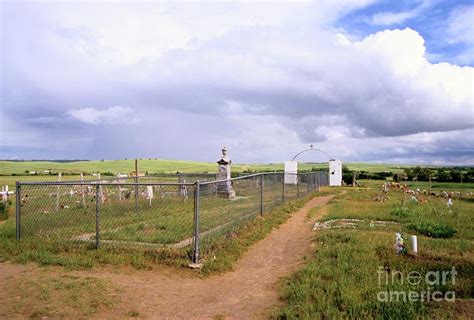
x: 363, y: 80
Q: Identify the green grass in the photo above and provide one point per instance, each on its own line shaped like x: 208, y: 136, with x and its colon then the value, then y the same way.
x: 377, y: 167
x: 4, y: 209
x: 66, y: 236
x: 432, y: 230
x: 73, y: 169
x: 167, y: 220
x: 424, y: 185
x: 115, y: 166
x: 220, y: 255
x: 168, y: 166
x: 126, y: 166
x: 359, y: 204
x: 63, y: 296
x: 11, y: 180
x: 341, y: 280
x: 403, y: 211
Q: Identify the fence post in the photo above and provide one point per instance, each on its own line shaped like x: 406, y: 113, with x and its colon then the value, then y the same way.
x: 297, y: 185
x: 196, y: 222
x: 18, y: 205
x: 283, y: 187
x: 97, y: 195
x: 307, y: 182
x: 58, y: 191
x: 136, y: 185
x: 83, y: 191
x: 136, y: 194
x: 261, y: 194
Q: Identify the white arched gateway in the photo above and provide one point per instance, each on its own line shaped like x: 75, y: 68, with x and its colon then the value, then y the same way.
x: 335, y: 169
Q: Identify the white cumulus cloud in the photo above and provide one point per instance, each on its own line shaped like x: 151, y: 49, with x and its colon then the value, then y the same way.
x: 111, y: 115
x: 461, y: 25
x: 266, y: 77
x: 391, y: 18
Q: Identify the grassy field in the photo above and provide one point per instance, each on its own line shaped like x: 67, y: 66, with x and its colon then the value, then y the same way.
x: 123, y: 166
x: 10, y: 180
x: 223, y: 250
x: 346, y: 274
x: 162, y: 228
x: 376, y: 167
x: 71, y: 170
x: 424, y: 185
x: 166, y: 219
x: 340, y: 280
x: 57, y: 296
x: 56, y: 292
x: 167, y: 166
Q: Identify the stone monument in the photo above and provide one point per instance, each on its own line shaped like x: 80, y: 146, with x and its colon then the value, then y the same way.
x: 224, y: 188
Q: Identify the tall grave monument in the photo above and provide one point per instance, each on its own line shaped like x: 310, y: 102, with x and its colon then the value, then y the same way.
x: 224, y: 188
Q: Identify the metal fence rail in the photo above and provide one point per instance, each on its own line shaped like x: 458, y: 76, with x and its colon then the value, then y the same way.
x: 122, y: 213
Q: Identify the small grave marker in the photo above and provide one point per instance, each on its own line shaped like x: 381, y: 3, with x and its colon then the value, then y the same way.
x: 149, y: 193
x: 414, y: 245
x: 400, y: 244
x: 5, y: 193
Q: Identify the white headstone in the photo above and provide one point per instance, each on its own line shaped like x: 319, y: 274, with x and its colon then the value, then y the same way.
x: 149, y: 192
x: 414, y: 244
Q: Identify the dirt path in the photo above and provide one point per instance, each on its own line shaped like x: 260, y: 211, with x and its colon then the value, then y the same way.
x: 249, y: 291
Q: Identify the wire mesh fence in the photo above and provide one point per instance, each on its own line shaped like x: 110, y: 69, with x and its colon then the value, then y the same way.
x: 93, y: 215
x: 149, y: 212
x: 108, y: 179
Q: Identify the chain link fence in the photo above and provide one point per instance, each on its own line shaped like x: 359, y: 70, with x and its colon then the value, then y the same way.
x: 167, y: 211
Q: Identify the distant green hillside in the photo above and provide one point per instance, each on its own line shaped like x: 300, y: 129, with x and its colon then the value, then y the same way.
x: 377, y: 167
x: 114, y: 166
x: 163, y: 166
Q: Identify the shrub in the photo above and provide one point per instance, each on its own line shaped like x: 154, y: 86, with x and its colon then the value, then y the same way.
x: 3, y: 211
x: 432, y: 230
x: 348, y: 177
x: 403, y: 212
